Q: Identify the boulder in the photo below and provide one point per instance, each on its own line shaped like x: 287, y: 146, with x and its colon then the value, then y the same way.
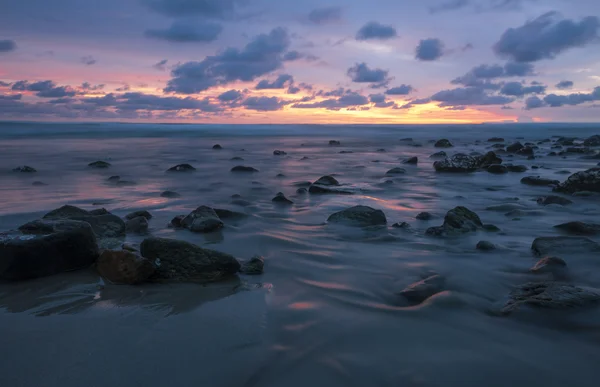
x: 564, y: 245
x: 516, y: 168
x: 105, y: 226
x: 176, y: 222
x: 581, y: 181
x: 592, y: 141
x: 457, y: 163
x: 422, y: 290
x: 281, y: 199
x: 39, y: 184
x: 327, y: 184
x: 579, y: 149
x: 496, y: 139
x: 497, y: 169
x: 236, y: 158
x: 443, y: 143
x: 553, y: 295
x: 242, y: 168
x: 491, y: 228
x: 411, y: 160
x: 25, y: 169
x: 579, y: 228
x: 513, y: 148
x: 396, y: 171
x: 181, y: 168
x: 359, y: 216
x: 99, y: 164
x: 114, y: 178
x: 554, y: 265
x: 438, y: 154
x: 553, y: 199
x: 66, y: 212
x: 99, y: 211
x: 402, y: 225
x: 538, y: 181
x: 48, y: 247
x: 217, y: 147
x: 525, y: 151
x: 457, y: 221
x: 253, y: 266
x: 488, y: 159
x: 181, y: 261
x: 334, y: 143
x: 279, y: 153
x: 202, y: 219
x: 424, y: 216
x: 170, y: 194
x: 327, y: 180
x: 135, y: 214
x: 137, y: 225
x: 124, y: 267
x: 485, y: 246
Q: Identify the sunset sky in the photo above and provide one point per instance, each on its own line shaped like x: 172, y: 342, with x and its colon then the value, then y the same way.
x: 309, y: 61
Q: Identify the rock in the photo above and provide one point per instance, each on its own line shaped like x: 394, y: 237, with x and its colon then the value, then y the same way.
x: 236, y: 159
x: 457, y: 221
x: 327, y: 185
x: 345, y: 152
x: 563, y: 245
x: 135, y: 214
x: 242, y: 168
x: 505, y: 207
x: 488, y: 159
x: 301, y: 191
x: 496, y: 139
x: 538, y: 181
x: 513, y: 148
x: 553, y: 265
x: 38, y: 184
x: 563, y: 172
x: 99, y: 211
x: 170, y: 194
x: 516, y: 168
x: 279, y: 153
x: 566, y: 140
x: 396, y: 171
x: 408, y: 139
x: 485, y: 246
x: 553, y: 295
x: 525, y: 151
x: 592, y: 141
x: 114, y: 178
x: 281, y: 199
x: 491, y: 228
x: 381, y: 150
x: 359, y: 216
x: 105, y: 226
x: 130, y: 247
x: 228, y: 214
x: 202, y: 219
x: 25, y: 169
x: 50, y: 247
x: 594, y: 156
x: 499, y: 147
x: 438, y: 154
x: 411, y: 160
x: 334, y: 143
x: 424, y: 216
x: 241, y: 202
x: 181, y: 261
x: 497, y: 169
x: 217, y: 147
x: 402, y: 225
x: 580, y: 150
x: 280, y: 175
x: 422, y: 290
x: 253, y: 266
x: 327, y: 180
x: 177, y: 222
x: 581, y: 181
x: 137, y: 225
x: 124, y: 267
x: 579, y: 228
x: 181, y: 168
x: 122, y: 183
x: 99, y: 164
x: 443, y: 143
x: 457, y: 163
x: 553, y: 199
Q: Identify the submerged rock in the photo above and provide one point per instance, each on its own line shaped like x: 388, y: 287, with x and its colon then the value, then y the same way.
x: 170, y: 194
x: 457, y: 163
x: 422, y: 290
x: 516, y: 168
x: 564, y: 245
x: 105, y: 226
x: 485, y: 246
x: 50, y: 247
x: 217, y: 147
x: 253, y: 266
x: 236, y: 158
x: 124, y: 267
x: 301, y: 191
x: 538, y: 181
x: 99, y: 211
x: 411, y: 160
x: 554, y: 265
x: 181, y: 261
x: 279, y: 153
x: 327, y: 184
x: 495, y: 139
x: 488, y: 159
x: 177, y: 222
x: 424, y: 216
x: 135, y: 214
x: 457, y: 221
x: 359, y: 216
x: 443, y: 143
x: 396, y: 171
x: 513, y: 148
x: 228, y: 214
x: 525, y: 151
x: 137, y: 225
x: 497, y: 169
x: 581, y: 181
x: 592, y: 141
x: 38, y: 184
x: 334, y: 143
x: 202, y: 219
x: 114, y: 178
x: 181, y: 168
x: 281, y: 199
x: 553, y: 199
x: 579, y: 228
x: 25, y: 169
x: 242, y: 168
x: 438, y: 154
x: 99, y: 164
x: 551, y: 295
x: 402, y: 225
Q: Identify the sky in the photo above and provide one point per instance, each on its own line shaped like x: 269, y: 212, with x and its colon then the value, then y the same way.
x: 309, y: 61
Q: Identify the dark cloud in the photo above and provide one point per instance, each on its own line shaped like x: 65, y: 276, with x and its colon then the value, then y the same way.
x: 4, y: 84
x: 230, y: 96
x: 62, y: 100
x: 506, y: 107
x: 217, y: 9
x: 400, y: 90
x: 141, y: 101
x: 553, y: 100
x: 517, y: 89
x: 325, y: 15
x: 545, y: 37
x: 282, y: 81
x: 480, y: 5
x: 333, y: 93
x: 296, y: 55
x: 90, y: 87
x: 564, y: 85
x: 467, y: 96
x: 7, y: 45
x: 380, y: 101
x: 418, y: 101
x: 429, y: 50
x: 482, y: 75
x: 263, y: 104
x: 161, y: 66
x: 88, y: 60
x: 533, y: 103
x: 375, y: 30
x: 361, y: 73
x: 13, y: 97
x: 347, y: 100
x: 44, y: 89
x: 184, y: 32
x: 294, y: 89
x: 450, y: 5
x: 263, y: 55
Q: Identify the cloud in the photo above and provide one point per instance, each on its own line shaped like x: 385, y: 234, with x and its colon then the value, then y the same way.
x: 88, y: 60
x: 375, y: 30
x: 215, y: 9
x: 400, y: 90
x: 361, y: 73
x: 263, y: 55
x: 418, y: 101
x: 480, y: 5
x: 282, y: 81
x: 467, y: 96
x: 89, y: 86
x: 125, y: 87
x: 347, y: 100
x: 545, y: 37
x: 161, y: 66
x: 380, y: 101
x: 230, y: 96
x: 429, y: 50
x: 44, y: 89
x: 533, y: 103
x: 482, y: 75
x: 450, y: 5
x: 293, y: 89
x: 13, y: 97
x: 564, y: 85
x: 141, y: 101
x: 325, y: 15
x: 553, y: 100
x: 296, y: 55
x: 263, y: 104
x: 184, y: 32
x: 4, y: 84
x: 7, y: 45
x: 517, y: 89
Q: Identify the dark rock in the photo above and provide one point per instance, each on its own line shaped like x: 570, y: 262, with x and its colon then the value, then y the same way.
x: 538, y: 181
x: 228, y: 214
x: 242, y: 168
x: 424, y: 216
x: 122, y: 183
x: 443, y: 143
x: 525, y: 151
x: 564, y: 246
x: 496, y: 139
x: 38, y: 184
x: 279, y: 153
x: 402, y: 225
x: 99, y: 164
x: 499, y: 147
x: 563, y: 172
x: 99, y: 211
x: 553, y: 199
x: 217, y: 146
x: 254, y: 266
x: 241, y: 202
x: 181, y: 261
x: 170, y: 194
x: 359, y: 216
x: 411, y: 160
x: 497, y: 169
x: 422, y: 290
x: 491, y: 228
x: 25, y: 169
x: 327, y: 184
x: 552, y: 154
x: 485, y: 246
x: 181, y: 168
x: 236, y: 159
x: 552, y: 295
x: 135, y: 214
x: 124, y: 267
x: 381, y: 150
x: 580, y: 150
x: 457, y: 163
x: 176, y: 222
x: 457, y: 221
x: 592, y: 141
x: 581, y: 181
x: 513, y: 148
x: 280, y: 175
x: 137, y: 225
x: 535, y: 167
x: 281, y: 199
x: 594, y: 156
x: 553, y: 265
x: 345, y: 152
x: 488, y: 159
x: 408, y: 139
x: 202, y: 219
x: 396, y: 171
x: 50, y: 247
x: 438, y: 154
x: 236, y: 196
x: 114, y: 178
x: 334, y: 143
x: 304, y: 158
x: 579, y: 228
x: 105, y: 226
x: 301, y: 191
x: 566, y: 140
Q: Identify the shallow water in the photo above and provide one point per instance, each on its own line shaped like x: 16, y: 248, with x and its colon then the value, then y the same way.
x: 326, y: 312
